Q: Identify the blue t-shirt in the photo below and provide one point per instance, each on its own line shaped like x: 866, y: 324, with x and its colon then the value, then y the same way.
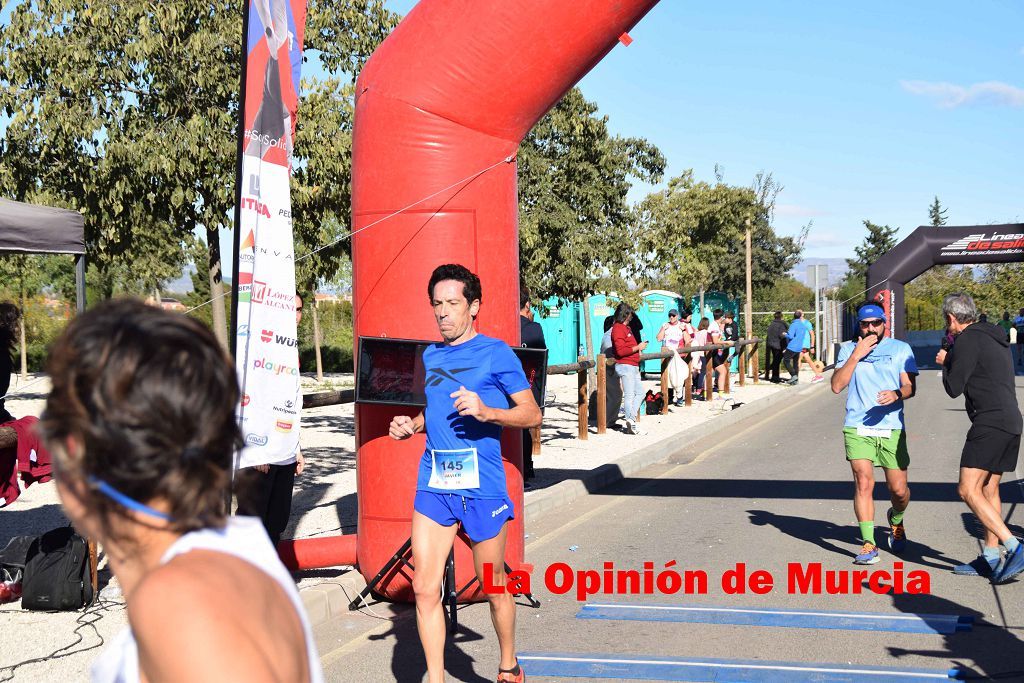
x: 878, y: 371
x: 799, y: 335
x: 488, y: 367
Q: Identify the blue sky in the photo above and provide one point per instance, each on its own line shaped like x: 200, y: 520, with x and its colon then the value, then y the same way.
x: 863, y: 112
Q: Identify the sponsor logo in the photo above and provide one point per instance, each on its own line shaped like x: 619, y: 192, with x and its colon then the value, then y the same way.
x: 285, y: 213
x: 286, y: 255
x: 245, y: 400
x: 499, y: 511
x: 286, y: 411
x: 982, y: 242
x: 249, y: 242
x: 243, y: 330
x: 253, y: 204
x: 272, y: 298
x: 262, y: 138
x: 254, y: 184
x: 437, y: 375
x: 276, y: 368
x: 283, y: 426
x: 268, y: 335
x: 289, y: 404
x: 256, y: 439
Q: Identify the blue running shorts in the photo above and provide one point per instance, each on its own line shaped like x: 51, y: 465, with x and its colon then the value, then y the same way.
x: 481, y: 518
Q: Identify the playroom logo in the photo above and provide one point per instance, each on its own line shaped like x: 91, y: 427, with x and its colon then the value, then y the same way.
x: 801, y: 579
x: 275, y: 368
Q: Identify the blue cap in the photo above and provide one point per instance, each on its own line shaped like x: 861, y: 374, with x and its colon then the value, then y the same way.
x: 870, y: 312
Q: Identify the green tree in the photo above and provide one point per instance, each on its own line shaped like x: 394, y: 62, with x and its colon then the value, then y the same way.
x: 23, y: 277
x: 574, y: 218
x: 936, y: 214
x: 692, y: 235
x: 128, y: 112
x: 879, y: 240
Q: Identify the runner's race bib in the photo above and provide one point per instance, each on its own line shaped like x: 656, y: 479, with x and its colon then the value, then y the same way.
x: 456, y: 469
x: 872, y: 431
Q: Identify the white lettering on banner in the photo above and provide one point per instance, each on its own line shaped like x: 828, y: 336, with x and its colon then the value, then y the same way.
x: 268, y: 365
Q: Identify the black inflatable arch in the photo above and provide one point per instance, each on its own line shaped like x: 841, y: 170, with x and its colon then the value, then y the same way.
x: 928, y: 246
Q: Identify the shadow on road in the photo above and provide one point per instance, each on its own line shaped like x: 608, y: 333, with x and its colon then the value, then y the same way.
x: 820, y: 533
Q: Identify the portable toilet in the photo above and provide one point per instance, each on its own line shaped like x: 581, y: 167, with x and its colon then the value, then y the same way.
x: 713, y: 300
x: 560, y: 323
x: 653, y: 313
x: 601, y: 306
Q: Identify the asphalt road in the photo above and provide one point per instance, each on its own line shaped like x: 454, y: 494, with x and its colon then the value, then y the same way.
x: 774, y: 490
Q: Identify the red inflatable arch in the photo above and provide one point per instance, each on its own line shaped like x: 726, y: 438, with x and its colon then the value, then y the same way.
x: 441, y: 108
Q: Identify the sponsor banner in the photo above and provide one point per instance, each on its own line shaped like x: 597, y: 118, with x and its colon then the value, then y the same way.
x: 266, y: 356
x: 984, y: 244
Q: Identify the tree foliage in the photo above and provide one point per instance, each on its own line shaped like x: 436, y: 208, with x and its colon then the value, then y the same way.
x: 879, y: 240
x: 936, y: 214
x: 692, y: 235
x: 128, y: 113
x: 574, y: 218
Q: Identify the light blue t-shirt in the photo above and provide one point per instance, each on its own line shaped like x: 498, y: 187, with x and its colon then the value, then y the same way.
x: 878, y: 371
x: 488, y: 367
x: 799, y: 335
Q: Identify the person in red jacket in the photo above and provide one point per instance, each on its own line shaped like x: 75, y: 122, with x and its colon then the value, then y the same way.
x: 627, y: 364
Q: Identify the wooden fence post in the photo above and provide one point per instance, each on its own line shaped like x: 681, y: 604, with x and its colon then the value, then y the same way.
x: 709, y: 376
x: 727, y: 365
x: 582, y: 400
x: 602, y: 393
x: 664, y: 385
x: 688, y: 389
x: 757, y: 365
x: 535, y: 435
x: 742, y: 365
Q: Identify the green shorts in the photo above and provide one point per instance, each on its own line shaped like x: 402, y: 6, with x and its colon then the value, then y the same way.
x: 889, y: 452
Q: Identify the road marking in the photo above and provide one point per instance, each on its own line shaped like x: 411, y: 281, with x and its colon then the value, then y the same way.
x: 855, y: 621
x: 678, y: 669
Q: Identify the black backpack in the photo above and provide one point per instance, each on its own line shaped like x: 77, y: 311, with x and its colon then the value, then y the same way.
x: 57, y: 572
x: 654, y: 402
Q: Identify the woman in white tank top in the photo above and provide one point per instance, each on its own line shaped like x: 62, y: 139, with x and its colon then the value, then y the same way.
x: 142, y: 426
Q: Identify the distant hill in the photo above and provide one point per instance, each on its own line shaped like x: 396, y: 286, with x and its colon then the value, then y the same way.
x: 836, y: 270
x: 183, y: 284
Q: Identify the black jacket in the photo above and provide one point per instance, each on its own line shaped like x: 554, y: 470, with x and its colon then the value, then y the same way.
x: 980, y: 367
x: 775, y: 333
x: 531, y: 334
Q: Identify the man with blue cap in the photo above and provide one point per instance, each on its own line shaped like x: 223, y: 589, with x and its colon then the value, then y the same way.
x: 880, y: 372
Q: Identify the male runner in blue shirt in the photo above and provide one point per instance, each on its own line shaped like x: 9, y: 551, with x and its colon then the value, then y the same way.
x: 880, y: 372
x: 469, y: 379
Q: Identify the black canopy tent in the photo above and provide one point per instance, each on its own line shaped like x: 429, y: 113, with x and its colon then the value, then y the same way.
x: 31, y: 229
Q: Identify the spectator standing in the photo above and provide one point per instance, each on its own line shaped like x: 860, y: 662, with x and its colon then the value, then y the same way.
x: 979, y: 366
x: 797, y: 336
x: 776, y: 342
x: 672, y: 336
x: 531, y: 336
x: 701, y: 338
x: 271, y: 494
x: 1006, y: 324
x: 1018, y: 324
x: 730, y: 333
x: 719, y: 357
x: 9, y: 318
x: 627, y: 364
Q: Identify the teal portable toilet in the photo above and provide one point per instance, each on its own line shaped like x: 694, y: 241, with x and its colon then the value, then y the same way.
x: 653, y: 313
x: 713, y: 300
x: 601, y: 306
x: 560, y: 323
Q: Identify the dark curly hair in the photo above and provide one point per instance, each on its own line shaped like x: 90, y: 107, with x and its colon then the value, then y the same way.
x: 454, y: 271
x: 9, y: 317
x: 150, y: 397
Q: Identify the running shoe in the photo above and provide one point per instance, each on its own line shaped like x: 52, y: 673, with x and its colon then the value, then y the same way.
x: 897, y: 534
x: 817, y: 378
x: 637, y: 430
x: 513, y: 675
x: 1012, y: 566
x: 979, y: 566
x: 868, y: 554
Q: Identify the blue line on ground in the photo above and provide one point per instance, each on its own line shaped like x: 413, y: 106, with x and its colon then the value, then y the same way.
x: 657, y: 668
x: 753, y: 616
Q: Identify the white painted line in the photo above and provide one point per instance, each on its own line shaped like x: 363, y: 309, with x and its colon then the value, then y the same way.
x: 765, y: 611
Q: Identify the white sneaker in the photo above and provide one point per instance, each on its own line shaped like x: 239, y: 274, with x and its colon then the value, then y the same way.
x: 637, y: 430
